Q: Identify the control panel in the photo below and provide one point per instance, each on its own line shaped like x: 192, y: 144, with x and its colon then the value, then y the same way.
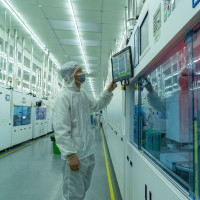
x: 157, y: 21
x: 169, y: 6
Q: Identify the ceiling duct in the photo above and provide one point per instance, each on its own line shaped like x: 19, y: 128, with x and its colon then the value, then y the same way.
x: 132, y: 15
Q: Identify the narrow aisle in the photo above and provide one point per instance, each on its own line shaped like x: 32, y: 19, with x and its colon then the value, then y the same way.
x: 99, y: 189
x: 34, y: 172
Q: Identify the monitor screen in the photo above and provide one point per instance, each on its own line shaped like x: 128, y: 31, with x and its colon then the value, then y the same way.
x: 144, y: 34
x: 122, y: 65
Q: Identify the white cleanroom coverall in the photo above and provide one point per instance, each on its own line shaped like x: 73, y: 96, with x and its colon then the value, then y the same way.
x: 73, y: 133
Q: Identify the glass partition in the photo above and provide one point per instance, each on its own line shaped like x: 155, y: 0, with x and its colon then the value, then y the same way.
x: 169, y: 119
x: 26, y: 115
x: 17, y: 117
x: 41, y: 113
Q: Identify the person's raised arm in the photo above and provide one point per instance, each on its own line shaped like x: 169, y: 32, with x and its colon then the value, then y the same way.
x: 104, y: 100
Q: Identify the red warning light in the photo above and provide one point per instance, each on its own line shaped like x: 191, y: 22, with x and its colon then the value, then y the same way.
x: 168, y: 7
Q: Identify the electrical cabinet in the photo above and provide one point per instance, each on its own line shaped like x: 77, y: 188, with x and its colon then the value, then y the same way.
x: 144, y: 181
x: 5, y: 118
x: 129, y: 174
x: 115, y: 141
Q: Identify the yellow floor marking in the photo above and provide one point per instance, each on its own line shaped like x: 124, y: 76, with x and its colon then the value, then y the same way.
x: 108, y: 172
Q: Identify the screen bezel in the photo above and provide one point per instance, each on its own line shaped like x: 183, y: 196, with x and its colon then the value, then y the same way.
x: 115, y: 55
x: 140, y: 38
x: 136, y: 47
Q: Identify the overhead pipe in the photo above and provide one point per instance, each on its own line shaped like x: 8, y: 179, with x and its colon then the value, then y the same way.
x: 39, y: 81
x: 31, y: 68
x: 126, y: 23
x: 8, y: 53
x: 22, y: 66
x: 47, y: 75
x: 42, y: 74
x: 17, y: 65
x: 15, y: 61
x: 132, y: 16
x: 4, y: 49
x: 36, y: 80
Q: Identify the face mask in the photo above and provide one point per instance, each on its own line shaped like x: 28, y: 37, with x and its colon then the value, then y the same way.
x: 81, y: 78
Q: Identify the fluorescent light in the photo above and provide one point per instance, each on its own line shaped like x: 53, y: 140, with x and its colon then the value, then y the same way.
x: 26, y: 27
x: 122, y: 40
x: 77, y: 32
x: 79, y: 39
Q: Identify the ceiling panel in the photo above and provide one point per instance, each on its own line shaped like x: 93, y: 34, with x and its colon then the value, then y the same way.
x: 91, y: 50
x: 56, y: 48
x: 88, y: 16
x: 90, y: 35
x: 94, y: 43
x: 73, y: 42
x: 72, y: 50
x: 22, y: 2
x: 51, y: 41
x: 62, y: 25
x: 65, y: 34
x: 107, y: 28
x: 30, y: 11
x: 112, y: 18
x: 40, y: 24
x: 42, y: 33
x: 95, y: 5
x: 69, y: 25
x: 90, y: 27
x: 115, y: 6
x: 58, y: 13
x: 53, y: 3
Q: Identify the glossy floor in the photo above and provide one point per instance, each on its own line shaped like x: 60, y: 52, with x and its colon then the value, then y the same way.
x: 34, y: 172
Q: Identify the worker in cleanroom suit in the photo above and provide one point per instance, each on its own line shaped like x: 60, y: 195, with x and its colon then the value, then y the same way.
x: 73, y: 131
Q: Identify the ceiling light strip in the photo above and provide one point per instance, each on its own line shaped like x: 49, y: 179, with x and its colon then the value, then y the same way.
x: 122, y: 40
x: 79, y: 39
x: 29, y: 31
x: 77, y: 32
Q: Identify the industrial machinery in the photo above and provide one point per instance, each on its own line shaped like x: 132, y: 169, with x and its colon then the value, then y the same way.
x: 160, y: 118
x: 39, y: 117
x: 5, y: 118
x: 21, y: 117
